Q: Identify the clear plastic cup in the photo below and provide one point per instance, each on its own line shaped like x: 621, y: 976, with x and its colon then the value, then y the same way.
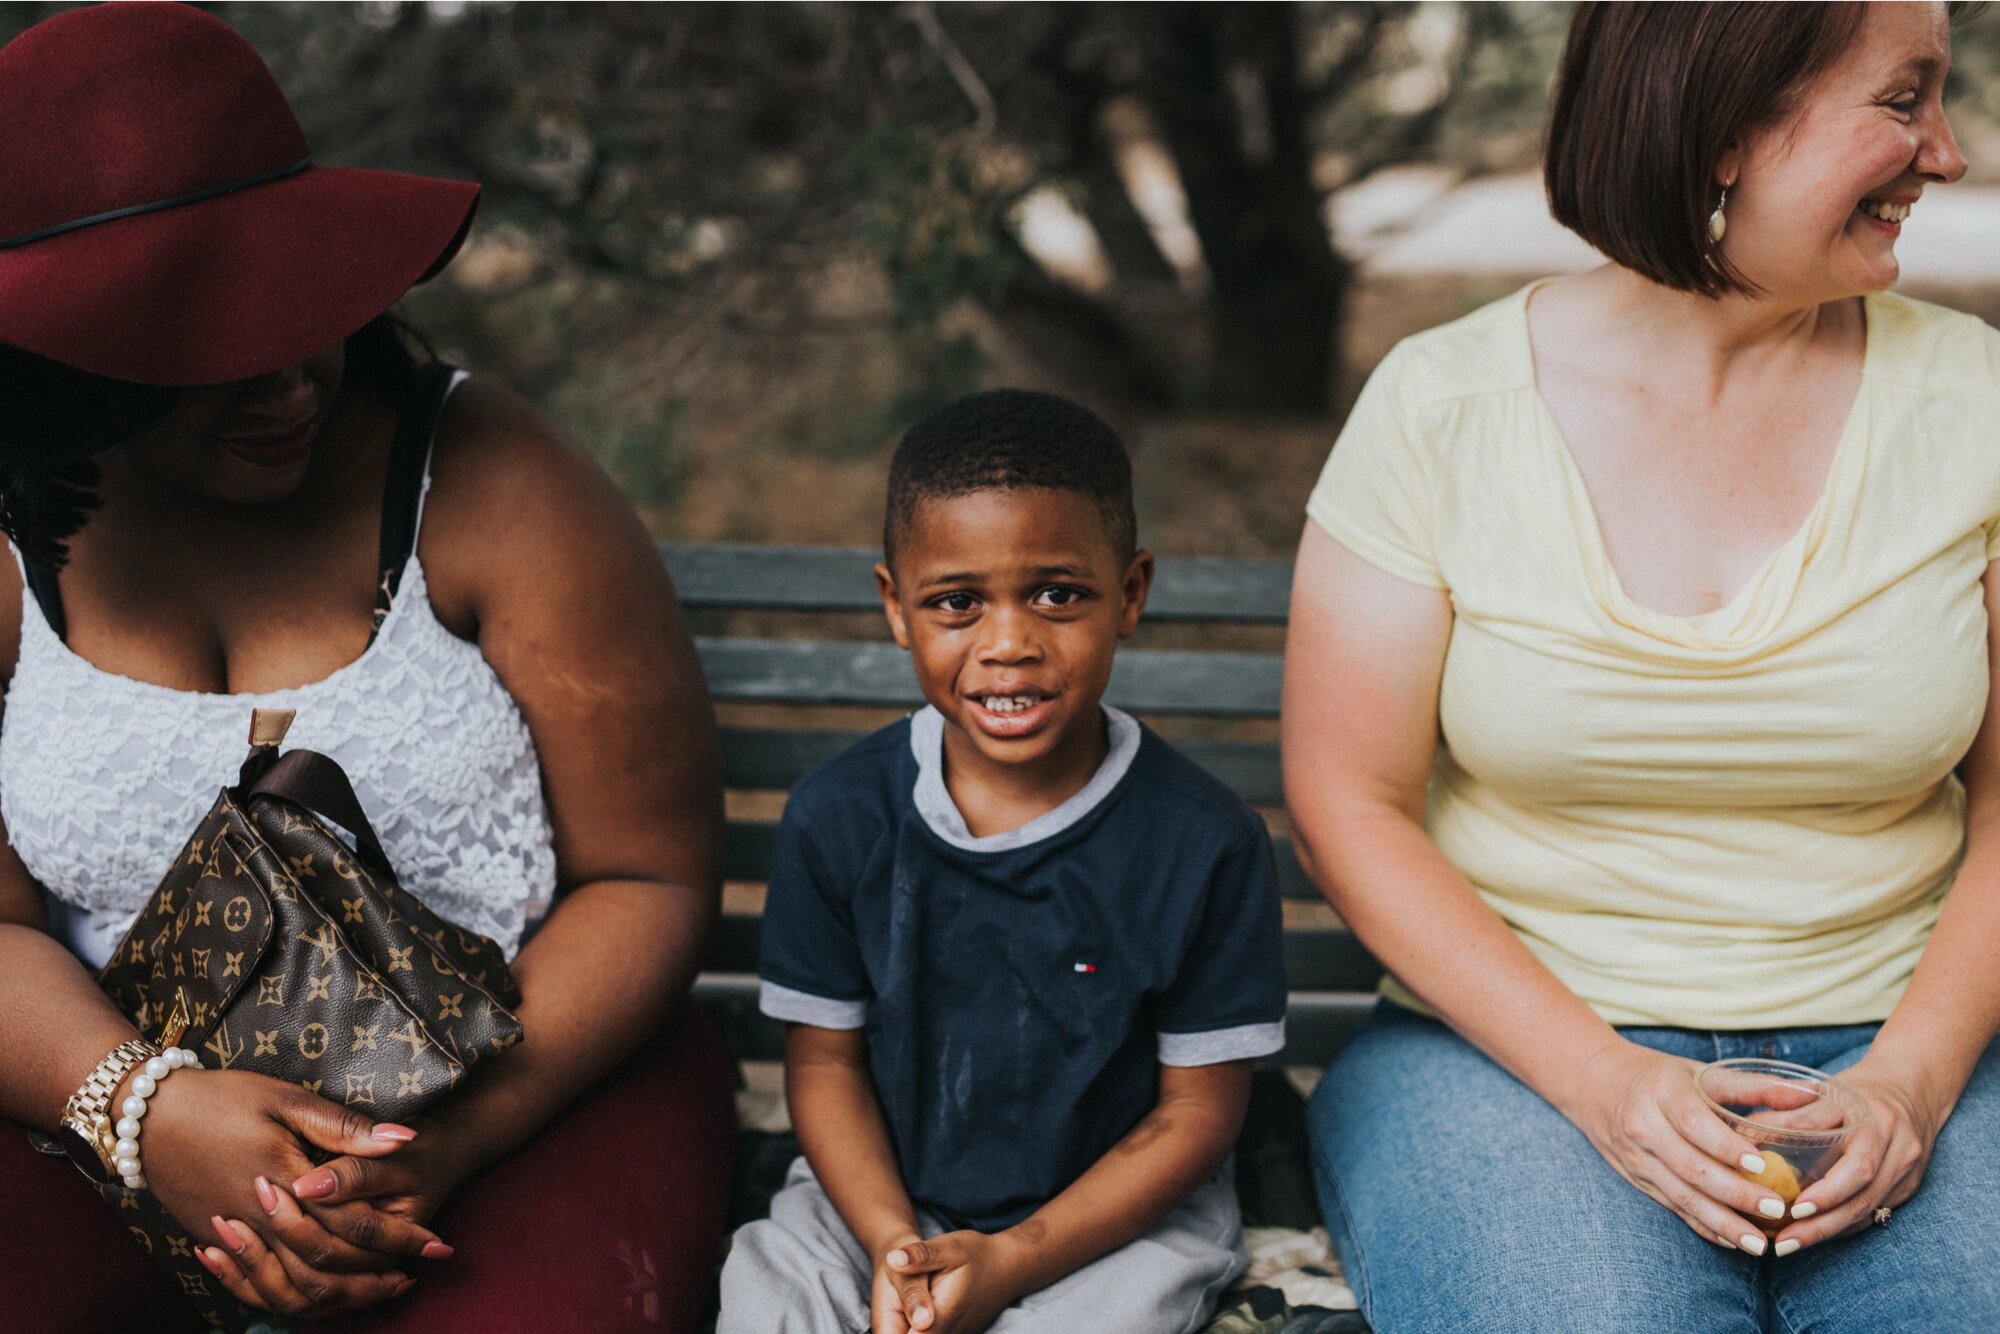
x: 1799, y: 1118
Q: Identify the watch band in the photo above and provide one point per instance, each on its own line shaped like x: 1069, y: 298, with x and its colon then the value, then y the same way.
x: 87, y: 1113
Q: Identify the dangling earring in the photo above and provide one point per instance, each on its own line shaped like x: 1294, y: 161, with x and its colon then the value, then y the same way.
x: 1717, y: 223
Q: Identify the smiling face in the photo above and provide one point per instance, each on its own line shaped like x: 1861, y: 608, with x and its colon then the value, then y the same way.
x: 247, y: 442
x: 1011, y: 603
x: 1816, y: 201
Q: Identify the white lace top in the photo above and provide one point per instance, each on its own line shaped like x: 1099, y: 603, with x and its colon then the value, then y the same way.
x: 102, y: 778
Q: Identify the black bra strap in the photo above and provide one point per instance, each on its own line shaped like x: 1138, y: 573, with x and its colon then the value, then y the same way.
x: 42, y: 583
x: 402, y: 501
x: 403, y: 493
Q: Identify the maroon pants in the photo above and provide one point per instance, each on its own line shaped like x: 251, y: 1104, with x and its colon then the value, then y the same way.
x: 609, y: 1219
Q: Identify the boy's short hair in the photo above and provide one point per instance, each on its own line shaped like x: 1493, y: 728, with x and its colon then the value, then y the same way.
x: 1009, y: 438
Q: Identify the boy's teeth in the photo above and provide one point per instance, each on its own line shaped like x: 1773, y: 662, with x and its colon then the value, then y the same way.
x: 1007, y: 703
x: 1886, y: 211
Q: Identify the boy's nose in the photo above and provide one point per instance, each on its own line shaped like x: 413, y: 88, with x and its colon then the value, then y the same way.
x: 1011, y: 636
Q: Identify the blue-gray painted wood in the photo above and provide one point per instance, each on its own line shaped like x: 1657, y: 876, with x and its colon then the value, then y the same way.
x: 1167, y: 681
x: 747, y: 845
x: 1317, y: 1023
x: 730, y: 575
x: 1316, y: 959
x: 771, y: 759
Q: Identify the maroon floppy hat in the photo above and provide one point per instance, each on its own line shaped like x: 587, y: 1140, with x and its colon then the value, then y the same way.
x: 161, y: 219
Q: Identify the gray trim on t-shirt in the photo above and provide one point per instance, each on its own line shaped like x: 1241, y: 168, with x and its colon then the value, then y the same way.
x: 802, y: 1007
x: 934, y: 803
x: 1243, y: 1043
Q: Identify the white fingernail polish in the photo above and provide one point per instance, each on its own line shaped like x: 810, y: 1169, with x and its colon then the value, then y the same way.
x: 1751, y: 1242
x: 1771, y: 1208
x: 1786, y: 1247
x: 1724, y: 1239
x: 1751, y: 1163
x: 1804, y: 1209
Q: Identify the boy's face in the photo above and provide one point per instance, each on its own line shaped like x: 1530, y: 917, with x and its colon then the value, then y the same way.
x: 1011, y: 603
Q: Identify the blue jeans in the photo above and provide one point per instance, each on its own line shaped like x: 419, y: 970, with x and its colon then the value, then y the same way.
x: 1459, y: 1200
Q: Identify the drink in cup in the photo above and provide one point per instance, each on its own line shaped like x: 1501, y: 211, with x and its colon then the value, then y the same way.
x: 1799, y: 1118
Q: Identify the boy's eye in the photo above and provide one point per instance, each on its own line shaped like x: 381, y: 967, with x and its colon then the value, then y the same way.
x: 1059, y: 595
x: 957, y: 602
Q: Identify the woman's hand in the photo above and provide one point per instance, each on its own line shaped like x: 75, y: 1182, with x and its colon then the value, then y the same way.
x: 358, y: 1195
x: 1883, y: 1164
x: 209, y: 1135
x: 1641, y: 1111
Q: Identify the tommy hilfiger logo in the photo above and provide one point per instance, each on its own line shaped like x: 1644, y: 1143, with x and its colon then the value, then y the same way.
x: 1083, y: 967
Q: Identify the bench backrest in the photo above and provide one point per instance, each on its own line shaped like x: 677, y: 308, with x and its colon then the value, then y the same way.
x: 1330, y: 976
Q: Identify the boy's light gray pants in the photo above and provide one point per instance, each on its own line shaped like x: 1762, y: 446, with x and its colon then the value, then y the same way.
x: 800, y: 1271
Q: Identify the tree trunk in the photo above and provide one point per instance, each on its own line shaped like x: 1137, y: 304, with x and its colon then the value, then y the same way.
x: 1223, y: 84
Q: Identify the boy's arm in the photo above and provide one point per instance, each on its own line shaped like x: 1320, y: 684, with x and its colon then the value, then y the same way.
x: 1179, y: 1145
x: 839, y: 1124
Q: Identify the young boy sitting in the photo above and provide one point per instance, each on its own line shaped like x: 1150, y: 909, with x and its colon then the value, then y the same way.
x: 1028, y: 952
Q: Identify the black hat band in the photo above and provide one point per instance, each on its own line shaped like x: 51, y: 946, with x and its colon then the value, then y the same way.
x: 156, y: 206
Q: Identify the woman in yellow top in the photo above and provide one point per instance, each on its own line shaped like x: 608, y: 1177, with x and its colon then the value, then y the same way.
x: 1637, y: 714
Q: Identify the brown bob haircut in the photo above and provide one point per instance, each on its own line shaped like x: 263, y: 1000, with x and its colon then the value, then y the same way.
x: 1649, y: 97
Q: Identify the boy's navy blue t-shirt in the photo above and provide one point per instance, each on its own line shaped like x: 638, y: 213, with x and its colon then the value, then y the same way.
x: 1019, y: 992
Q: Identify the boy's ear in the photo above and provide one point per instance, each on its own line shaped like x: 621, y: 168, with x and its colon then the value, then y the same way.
x: 1138, y: 583
x: 892, y: 606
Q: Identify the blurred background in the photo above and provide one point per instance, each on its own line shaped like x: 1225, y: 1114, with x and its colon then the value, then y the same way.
x: 736, y: 249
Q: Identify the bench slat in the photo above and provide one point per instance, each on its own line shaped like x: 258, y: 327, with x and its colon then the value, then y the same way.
x: 747, y: 847
x: 1173, y: 681
x: 771, y: 759
x: 733, y: 575
x: 1316, y: 959
x: 1317, y: 1023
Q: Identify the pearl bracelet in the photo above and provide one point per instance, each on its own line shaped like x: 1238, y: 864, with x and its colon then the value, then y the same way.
x: 125, y: 1155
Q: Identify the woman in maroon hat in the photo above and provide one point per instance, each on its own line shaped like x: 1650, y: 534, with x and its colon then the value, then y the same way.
x: 228, y: 482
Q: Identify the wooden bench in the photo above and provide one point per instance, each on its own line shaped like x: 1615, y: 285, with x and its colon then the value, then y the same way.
x: 798, y: 661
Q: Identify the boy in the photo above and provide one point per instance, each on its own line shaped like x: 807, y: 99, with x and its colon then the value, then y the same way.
x: 1028, y: 952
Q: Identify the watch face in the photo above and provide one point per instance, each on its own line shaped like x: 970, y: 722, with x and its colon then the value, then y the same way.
x: 83, y: 1153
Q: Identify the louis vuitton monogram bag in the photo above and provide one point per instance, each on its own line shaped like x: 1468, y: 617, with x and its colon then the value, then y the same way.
x: 273, y: 946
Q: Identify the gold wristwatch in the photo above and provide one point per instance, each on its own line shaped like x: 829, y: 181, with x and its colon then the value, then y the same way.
x: 86, y: 1130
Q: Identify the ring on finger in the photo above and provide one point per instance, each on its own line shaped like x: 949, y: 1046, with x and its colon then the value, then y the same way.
x: 1882, y: 1216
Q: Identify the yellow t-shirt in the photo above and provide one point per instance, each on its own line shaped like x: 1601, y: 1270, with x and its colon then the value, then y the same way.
x: 1743, y: 819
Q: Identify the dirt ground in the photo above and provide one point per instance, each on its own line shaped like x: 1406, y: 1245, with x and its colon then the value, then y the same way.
x: 1206, y: 484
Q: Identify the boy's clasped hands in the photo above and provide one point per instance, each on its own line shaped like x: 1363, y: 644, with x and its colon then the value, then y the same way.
x: 956, y: 1281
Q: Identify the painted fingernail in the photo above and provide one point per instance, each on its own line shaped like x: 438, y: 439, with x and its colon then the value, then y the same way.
x: 1785, y: 1247
x: 1750, y: 1162
x: 1724, y: 1239
x: 1751, y: 1242
x: 266, y: 1196
x: 437, y: 1250
x: 899, y: 1257
x: 1804, y: 1209
x: 403, y: 1287
x: 208, y: 1262
x: 1772, y: 1207
x: 389, y: 1130
x: 314, y: 1184
x: 231, y: 1238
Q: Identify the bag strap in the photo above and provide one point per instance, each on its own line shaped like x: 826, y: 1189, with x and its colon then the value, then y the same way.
x: 309, y: 779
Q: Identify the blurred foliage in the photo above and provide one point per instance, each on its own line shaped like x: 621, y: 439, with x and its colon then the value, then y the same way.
x: 938, y: 235
x: 699, y: 164
x: 766, y: 236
